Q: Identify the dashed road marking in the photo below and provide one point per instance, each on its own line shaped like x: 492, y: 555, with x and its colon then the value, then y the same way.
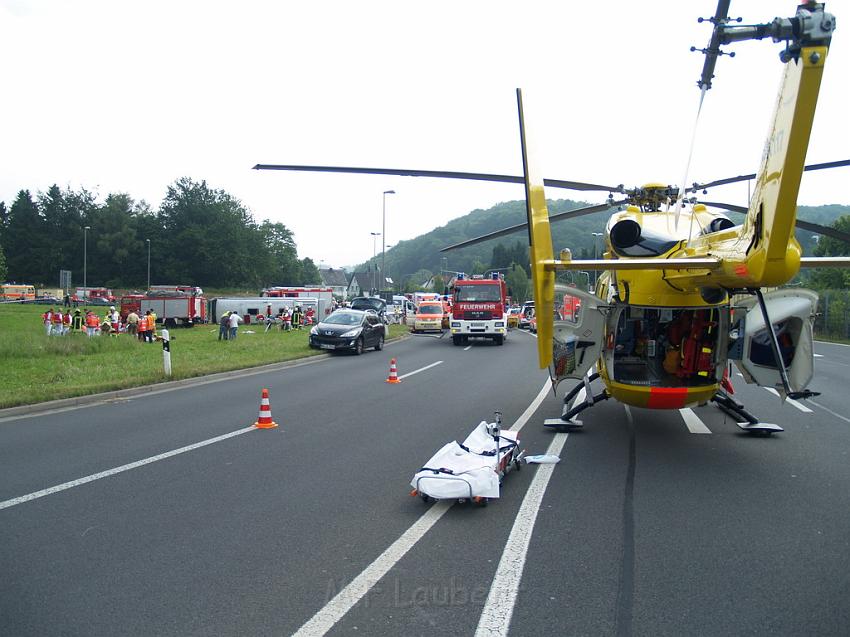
x: 111, y: 472
x: 796, y: 404
x: 693, y: 422
x: 499, y: 608
x: 421, y: 369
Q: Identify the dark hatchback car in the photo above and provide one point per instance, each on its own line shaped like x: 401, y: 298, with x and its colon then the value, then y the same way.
x: 349, y: 329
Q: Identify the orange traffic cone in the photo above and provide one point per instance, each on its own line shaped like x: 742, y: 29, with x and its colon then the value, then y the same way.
x: 393, y: 373
x: 265, y: 420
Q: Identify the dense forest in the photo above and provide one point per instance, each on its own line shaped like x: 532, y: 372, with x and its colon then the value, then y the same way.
x: 198, y: 236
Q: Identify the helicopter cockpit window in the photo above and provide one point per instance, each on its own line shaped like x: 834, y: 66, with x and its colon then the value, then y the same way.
x: 666, y: 347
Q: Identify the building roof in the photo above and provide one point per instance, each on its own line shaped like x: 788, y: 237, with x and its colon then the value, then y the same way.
x: 334, y: 277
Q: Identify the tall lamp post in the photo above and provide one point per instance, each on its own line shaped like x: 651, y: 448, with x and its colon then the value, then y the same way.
x: 384, y: 231
x: 85, y: 260
x: 596, y: 235
x: 375, y: 235
x: 148, y: 241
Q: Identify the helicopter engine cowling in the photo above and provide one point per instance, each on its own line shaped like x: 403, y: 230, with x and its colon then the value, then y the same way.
x: 629, y: 239
x: 720, y: 222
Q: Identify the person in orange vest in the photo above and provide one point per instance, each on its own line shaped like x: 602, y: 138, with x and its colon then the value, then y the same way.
x: 142, y: 328
x: 91, y: 323
x: 150, y: 326
x: 66, y: 322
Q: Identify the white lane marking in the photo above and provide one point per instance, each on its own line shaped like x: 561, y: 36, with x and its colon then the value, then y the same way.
x: 467, y: 348
x: 693, y: 422
x: 815, y: 355
x: 499, y: 608
x: 829, y: 411
x: 126, y: 467
x: 334, y: 610
x: 421, y: 369
x: 797, y: 404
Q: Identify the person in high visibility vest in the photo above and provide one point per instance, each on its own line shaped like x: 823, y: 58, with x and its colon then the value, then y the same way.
x: 77, y: 321
x: 150, y: 320
x: 66, y: 322
x: 142, y: 327
x: 91, y: 323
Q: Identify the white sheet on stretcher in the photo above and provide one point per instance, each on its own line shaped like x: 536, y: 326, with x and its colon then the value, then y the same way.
x: 472, y: 474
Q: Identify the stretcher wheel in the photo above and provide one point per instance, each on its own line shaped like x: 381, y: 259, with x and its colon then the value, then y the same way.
x: 480, y: 501
x: 518, y: 464
x: 427, y: 499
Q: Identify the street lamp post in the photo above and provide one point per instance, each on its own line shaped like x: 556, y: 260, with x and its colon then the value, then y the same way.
x: 85, y: 260
x: 384, y: 230
x: 375, y: 235
x: 148, y: 241
x: 596, y: 235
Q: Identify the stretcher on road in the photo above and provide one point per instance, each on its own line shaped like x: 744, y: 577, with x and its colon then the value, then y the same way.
x: 471, y: 471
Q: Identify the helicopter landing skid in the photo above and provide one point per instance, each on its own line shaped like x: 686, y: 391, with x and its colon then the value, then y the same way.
x: 735, y: 409
x: 566, y: 420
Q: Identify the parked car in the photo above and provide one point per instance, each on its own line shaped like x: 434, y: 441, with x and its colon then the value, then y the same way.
x: 349, y: 329
x: 525, y: 314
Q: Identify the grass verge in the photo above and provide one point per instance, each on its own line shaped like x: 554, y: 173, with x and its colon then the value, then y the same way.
x: 36, y: 368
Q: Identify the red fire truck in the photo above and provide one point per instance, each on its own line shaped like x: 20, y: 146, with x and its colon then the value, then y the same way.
x: 479, y: 309
x: 172, y: 308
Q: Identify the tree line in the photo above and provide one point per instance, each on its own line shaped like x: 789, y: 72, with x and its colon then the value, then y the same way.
x: 199, y: 236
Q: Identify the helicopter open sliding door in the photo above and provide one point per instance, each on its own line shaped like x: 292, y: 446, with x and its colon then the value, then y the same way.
x: 792, y: 313
x: 577, y: 343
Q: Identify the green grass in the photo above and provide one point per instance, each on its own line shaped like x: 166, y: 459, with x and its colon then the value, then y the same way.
x: 36, y: 368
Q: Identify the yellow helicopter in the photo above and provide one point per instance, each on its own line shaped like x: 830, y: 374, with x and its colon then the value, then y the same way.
x: 676, y: 300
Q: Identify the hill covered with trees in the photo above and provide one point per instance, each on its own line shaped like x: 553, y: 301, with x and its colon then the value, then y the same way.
x: 417, y: 259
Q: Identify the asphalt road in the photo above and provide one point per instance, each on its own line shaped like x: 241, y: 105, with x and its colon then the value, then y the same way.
x: 643, y: 527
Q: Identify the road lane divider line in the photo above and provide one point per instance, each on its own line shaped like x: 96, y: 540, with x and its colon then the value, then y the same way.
x: 499, y: 608
x: 693, y: 422
x: 421, y: 369
x: 796, y: 403
x: 111, y: 472
x: 467, y: 348
x: 327, y: 617
x: 336, y: 609
x: 829, y: 411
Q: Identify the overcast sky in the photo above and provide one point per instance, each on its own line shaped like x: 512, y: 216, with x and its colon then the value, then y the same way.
x: 129, y: 96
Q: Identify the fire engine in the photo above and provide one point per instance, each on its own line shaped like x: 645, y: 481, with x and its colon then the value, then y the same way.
x: 479, y: 309
x: 172, y: 308
x: 91, y: 293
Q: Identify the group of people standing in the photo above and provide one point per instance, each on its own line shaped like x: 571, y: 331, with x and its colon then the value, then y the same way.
x: 59, y: 323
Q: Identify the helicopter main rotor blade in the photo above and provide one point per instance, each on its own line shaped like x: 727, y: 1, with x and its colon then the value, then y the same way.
x: 561, y: 216
x: 442, y: 174
x: 803, y: 225
x: 732, y: 180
